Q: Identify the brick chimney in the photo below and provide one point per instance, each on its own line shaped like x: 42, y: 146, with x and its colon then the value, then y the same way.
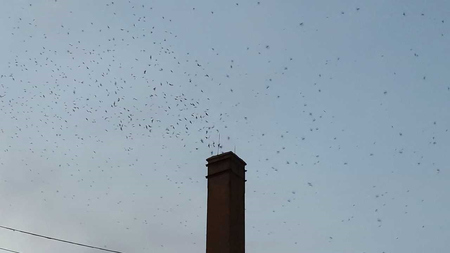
x: 225, y: 230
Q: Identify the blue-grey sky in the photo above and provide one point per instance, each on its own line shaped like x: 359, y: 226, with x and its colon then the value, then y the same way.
x: 341, y: 110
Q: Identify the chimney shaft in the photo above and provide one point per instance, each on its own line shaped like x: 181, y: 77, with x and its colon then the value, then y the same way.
x: 225, y: 231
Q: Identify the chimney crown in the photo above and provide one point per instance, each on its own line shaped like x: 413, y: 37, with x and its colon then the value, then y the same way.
x: 225, y: 162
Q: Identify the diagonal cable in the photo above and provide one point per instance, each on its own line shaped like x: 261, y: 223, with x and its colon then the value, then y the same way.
x: 59, y: 240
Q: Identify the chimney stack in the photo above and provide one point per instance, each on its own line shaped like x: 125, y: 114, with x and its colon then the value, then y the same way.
x: 225, y: 231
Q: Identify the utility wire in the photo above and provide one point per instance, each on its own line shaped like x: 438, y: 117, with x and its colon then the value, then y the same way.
x: 59, y: 240
x: 9, y: 250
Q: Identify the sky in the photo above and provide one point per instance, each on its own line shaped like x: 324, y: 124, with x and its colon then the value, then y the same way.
x: 109, y: 110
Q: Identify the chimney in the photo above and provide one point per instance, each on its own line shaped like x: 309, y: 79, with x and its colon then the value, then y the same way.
x: 225, y: 229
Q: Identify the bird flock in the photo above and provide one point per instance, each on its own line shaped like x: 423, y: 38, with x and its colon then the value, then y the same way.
x: 108, y: 110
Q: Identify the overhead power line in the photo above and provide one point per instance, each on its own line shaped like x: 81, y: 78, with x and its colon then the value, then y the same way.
x: 59, y: 240
x: 9, y: 250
